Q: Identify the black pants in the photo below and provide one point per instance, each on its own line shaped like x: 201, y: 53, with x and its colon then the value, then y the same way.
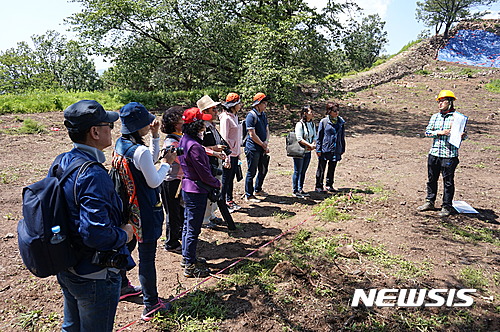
x: 446, y: 167
x: 174, y: 212
x: 228, y: 175
x: 320, y: 172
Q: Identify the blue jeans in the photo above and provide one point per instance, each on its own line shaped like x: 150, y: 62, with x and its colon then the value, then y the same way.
x: 89, y: 304
x: 228, y: 175
x: 254, y: 160
x: 194, y: 210
x: 300, y: 166
x: 147, y: 273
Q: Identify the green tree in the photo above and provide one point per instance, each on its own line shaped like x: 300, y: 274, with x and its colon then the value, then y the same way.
x: 181, y: 44
x: 444, y: 13
x: 53, y: 62
x: 364, y: 41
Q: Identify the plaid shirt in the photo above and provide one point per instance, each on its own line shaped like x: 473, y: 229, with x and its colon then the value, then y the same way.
x: 441, y: 146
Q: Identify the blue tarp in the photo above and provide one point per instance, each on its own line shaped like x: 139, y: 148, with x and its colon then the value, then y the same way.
x: 472, y: 47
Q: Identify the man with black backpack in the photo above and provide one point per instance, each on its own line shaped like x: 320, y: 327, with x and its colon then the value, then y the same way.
x: 91, y: 288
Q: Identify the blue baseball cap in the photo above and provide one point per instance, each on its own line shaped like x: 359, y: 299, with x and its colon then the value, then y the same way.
x: 134, y: 116
x: 84, y: 114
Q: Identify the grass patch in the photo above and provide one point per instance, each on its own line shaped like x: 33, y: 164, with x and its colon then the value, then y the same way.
x: 31, y: 126
x: 253, y: 273
x: 331, y: 208
x: 46, y: 101
x: 473, y: 278
x: 198, y: 311
x: 396, y: 265
x: 284, y: 172
x: 474, y: 234
x: 281, y: 215
x: 8, y: 177
x: 493, y: 86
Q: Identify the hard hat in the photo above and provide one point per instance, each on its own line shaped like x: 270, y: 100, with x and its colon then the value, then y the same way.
x: 446, y: 94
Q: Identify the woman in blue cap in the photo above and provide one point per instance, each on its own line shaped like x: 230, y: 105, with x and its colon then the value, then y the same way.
x: 145, y: 209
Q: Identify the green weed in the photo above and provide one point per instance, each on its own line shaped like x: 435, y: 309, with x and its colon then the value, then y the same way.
x: 473, y: 278
x: 31, y: 126
x: 480, y: 165
x: 8, y: 177
x: 282, y: 215
x: 328, y: 210
x: 284, y: 172
x: 493, y: 86
x: 199, y: 311
x: 29, y: 320
x: 396, y: 265
x: 475, y: 234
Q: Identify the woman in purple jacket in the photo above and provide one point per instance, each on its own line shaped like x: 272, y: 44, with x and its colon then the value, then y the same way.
x: 197, y: 174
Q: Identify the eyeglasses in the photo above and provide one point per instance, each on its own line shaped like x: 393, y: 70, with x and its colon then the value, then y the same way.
x: 109, y: 124
x: 441, y: 101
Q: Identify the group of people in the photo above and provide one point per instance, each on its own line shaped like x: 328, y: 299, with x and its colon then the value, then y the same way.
x: 195, y: 159
x: 328, y: 141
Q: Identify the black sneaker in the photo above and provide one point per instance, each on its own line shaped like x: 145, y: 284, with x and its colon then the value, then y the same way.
x: 160, y: 308
x: 427, y: 206
x: 297, y: 194
x: 196, y: 271
x: 130, y: 290
x: 303, y: 193
x: 175, y: 250
x: 199, y: 260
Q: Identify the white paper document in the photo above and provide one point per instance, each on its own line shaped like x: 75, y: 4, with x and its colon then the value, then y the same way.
x: 463, y: 207
x: 457, y: 128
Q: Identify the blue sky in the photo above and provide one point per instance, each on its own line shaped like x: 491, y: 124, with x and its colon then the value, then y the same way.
x: 20, y: 19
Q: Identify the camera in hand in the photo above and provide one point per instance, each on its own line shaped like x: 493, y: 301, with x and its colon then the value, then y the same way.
x: 227, y: 150
x: 216, y: 171
x: 110, y: 259
x: 179, y: 151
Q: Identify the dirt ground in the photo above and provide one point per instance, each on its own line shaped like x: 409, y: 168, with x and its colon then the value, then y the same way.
x: 385, y: 149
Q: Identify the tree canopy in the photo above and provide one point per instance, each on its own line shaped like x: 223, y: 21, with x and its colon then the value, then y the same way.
x: 249, y: 45
x: 52, y: 63
x: 444, y: 13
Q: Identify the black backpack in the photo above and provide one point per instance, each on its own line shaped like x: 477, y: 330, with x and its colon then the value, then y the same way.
x: 45, y: 206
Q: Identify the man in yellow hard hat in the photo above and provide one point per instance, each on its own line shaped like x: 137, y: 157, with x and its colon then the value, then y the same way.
x: 443, y: 156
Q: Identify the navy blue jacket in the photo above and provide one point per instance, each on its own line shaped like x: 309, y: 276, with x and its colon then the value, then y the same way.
x: 331, y: 139
x: 96, y: 218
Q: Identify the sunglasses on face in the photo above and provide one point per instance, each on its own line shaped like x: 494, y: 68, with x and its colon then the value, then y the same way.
x: 109, y: 124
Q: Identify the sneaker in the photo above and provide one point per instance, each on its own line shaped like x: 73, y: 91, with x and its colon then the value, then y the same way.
x: 297, y: 194
x: 199, y: 261
x: 175, y: 250
x: 196, y: 271
x: 303, y: 193
x: 261, y: 193
x: 252, y: 199
x: 130, y: 290
x: 320, y: 190
x: 331, y: 189
x: 158, y: 309
x: 445, y: 211
x: 210, y: 224
x: 217, y: 221
x: 428, y: 206
x: 233, y: 205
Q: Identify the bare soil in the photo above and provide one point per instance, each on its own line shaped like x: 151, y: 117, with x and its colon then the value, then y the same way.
x: 385, y: 149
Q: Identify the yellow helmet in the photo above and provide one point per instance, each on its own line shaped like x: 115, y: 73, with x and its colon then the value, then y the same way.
x: 446, y: 94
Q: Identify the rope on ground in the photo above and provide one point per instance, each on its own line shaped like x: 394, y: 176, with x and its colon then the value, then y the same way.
x: 224, y: 269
